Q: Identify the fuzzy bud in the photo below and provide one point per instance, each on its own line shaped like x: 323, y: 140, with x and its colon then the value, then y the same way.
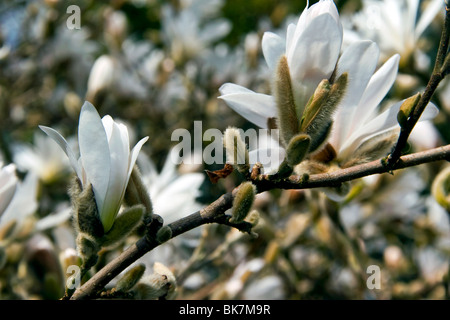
x: 164, y: 234
x: 136, y: 192
x: 315, y: 104
x: 87, y: 250
x: 159, y: 285
x: 297, y: 149
x: 124, y: 224
x: 130, y: 278
x: 236, y: 150
x: 319, y: 112
x: 86, y: 218
x: 287, y: 115
x: 407, y: 109
x: 243, y: 202
x: 253, y: 218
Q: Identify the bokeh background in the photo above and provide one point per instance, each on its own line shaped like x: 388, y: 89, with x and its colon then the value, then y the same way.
x: 157, y: 66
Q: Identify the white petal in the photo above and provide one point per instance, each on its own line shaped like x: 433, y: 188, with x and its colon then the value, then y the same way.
x: 94, y: 152
x: 384, y: 122
x: 179, y: 197
x: 379, y: 85
x: 24, y: 201
x: 119, y: 150
x: 8, y: 183
x: 359, y: 60
x: 255, y: 107
x: 313, y: 54
x: 134, y: 154
x: 59, y: 139
x: 432, y: 9
x: 273, y: 47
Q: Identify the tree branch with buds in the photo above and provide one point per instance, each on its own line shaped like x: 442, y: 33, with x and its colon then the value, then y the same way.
x: 440, y: 71
x: 215, y: 212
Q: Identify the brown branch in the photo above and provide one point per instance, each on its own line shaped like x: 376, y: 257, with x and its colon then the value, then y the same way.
x: 215, y: 212
x: 439, y: 73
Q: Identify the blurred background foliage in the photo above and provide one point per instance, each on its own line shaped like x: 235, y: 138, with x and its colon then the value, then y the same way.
x: 308, y: 246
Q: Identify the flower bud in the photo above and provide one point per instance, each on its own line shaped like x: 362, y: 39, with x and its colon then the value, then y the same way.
x: 130, y: 278
x: 407, y: 109
x: 86, y: 219
x: 123, y: 225
x: 164, y: 234
x: 287, y: 115
x: 159, y: 285
x: 87, y: 250
x: 297, y: 149
x: 319, y: 113
x: 236, y: 150
x: 243, y: 202
x: 253, y: 218
x: 137, y: 193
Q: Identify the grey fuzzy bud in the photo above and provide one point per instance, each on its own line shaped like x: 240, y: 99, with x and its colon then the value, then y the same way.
x: 130, y: 278
x: 85, y: 214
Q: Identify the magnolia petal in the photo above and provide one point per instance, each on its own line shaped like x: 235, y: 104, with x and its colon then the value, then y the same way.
x: 119, y: 151
x: 8, y: 183
x: 94, y: 152
x: 255, y: 107
x: 432, y: 9
x: 59, y: 139
x: 186, y: 189
x: 290, y: 36
x: 313, y: 55
x: 379, y: 85
x: 384, y: 122
x: 359, y: 60
x: 273, y: 47
x: 24, y: 201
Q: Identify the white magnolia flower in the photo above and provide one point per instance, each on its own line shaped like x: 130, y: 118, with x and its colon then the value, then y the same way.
x: 17, y: 198
x: 186, y: 33
x: 311, y: 56
x: 357, y: 119
x: 173, y: 195
x: 105, y: 162
x: 44, y: 159
x: 396, y: 25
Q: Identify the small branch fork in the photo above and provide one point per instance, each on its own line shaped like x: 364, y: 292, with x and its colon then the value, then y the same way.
x: 440, y: 71
x: 215, y: 212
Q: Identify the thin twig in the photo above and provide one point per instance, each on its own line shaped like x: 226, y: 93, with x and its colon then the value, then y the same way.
x: 436, y: 77
x: 215, y: 212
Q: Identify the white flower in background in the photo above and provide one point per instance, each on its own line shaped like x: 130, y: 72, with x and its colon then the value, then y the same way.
x: 17, y: 198
x: 44, y: 159
x: 105, y: 162
x: 173, y: 195
x: 102, y: 76
x: 186, y: 34
x: 397, y: 26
